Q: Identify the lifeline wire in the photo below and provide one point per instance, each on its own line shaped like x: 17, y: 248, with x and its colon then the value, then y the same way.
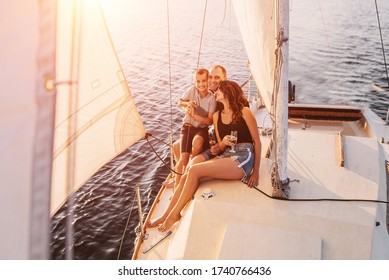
x: 156, y: 153
x: 202, y: 32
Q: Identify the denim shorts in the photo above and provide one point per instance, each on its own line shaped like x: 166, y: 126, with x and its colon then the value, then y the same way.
x: 244, y: 156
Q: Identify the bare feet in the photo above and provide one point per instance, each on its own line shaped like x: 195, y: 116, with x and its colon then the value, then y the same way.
x: 155, y: 222
x: 169, y: 183
x: 169, y: 222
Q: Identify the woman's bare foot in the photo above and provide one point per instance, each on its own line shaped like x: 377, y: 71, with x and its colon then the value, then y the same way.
x: 155, y: 222
x: 169, y: 222
x: 169, y: 183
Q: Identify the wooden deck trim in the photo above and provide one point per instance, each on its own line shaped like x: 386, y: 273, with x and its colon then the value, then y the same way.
x: 324, y: 113
x: 341, y: 149
x: 148, y: 217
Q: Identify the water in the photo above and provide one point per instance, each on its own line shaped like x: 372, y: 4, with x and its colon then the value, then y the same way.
x: 335, y: 56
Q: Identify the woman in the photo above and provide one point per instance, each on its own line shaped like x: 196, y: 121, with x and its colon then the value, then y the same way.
x: 242, y: 164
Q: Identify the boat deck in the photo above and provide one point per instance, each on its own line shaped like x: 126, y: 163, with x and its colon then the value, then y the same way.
x: 243, y: 223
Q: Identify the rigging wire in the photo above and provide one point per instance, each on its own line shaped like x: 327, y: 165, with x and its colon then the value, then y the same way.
x: 225, y: 11
x: 125, y: 228
x: 382, y: 41
x: 170, y: 88
x: 72, y: 124
x: 202, y: 32
x: 324, y: 25
x: 171, y: 119
x: 170, y: 69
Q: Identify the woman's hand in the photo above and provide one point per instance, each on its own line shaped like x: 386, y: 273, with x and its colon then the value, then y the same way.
x: 215, y: 149
x: 226, y: 141
x: 253, y: 179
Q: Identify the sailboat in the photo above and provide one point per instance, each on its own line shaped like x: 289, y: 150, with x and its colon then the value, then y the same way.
x: 323, y: 190
x: 68, y: 112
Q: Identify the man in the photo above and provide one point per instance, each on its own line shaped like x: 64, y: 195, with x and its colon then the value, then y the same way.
x: 199, y: 105
x: 216, y: 74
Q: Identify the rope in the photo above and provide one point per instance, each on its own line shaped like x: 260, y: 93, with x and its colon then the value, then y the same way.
x: 382, y: 42
x: 202, y: 32
x: 156, y: 153
x: 276, y: 86
x: 156, y: 138
x: 322, y: 199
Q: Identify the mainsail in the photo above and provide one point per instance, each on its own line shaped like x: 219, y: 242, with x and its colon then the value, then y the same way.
x: 256, y: 20
x: 96, y: 117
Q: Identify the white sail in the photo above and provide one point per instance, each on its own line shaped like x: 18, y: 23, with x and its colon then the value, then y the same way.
x: 27, y: 54
x: 257, y: 23
x: 96, y: 118
x: 66, y: 110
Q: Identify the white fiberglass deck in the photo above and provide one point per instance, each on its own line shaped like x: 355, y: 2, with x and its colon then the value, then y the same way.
x: 242, y: 223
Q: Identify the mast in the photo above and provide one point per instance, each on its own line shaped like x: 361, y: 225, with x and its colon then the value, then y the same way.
x: 281, y: 180
x: 264, y: 26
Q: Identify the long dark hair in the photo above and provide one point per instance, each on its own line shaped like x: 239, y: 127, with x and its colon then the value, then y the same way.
x: 234, y: 94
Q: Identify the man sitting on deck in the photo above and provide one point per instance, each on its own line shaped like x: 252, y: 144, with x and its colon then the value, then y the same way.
x: 217, y: 73
x: 199, y: 105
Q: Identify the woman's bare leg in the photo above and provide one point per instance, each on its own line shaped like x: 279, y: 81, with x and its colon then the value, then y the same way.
x: 197, y: 159
x: 172, y: 202
x: 180, y: 167
x: 225, y: 168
